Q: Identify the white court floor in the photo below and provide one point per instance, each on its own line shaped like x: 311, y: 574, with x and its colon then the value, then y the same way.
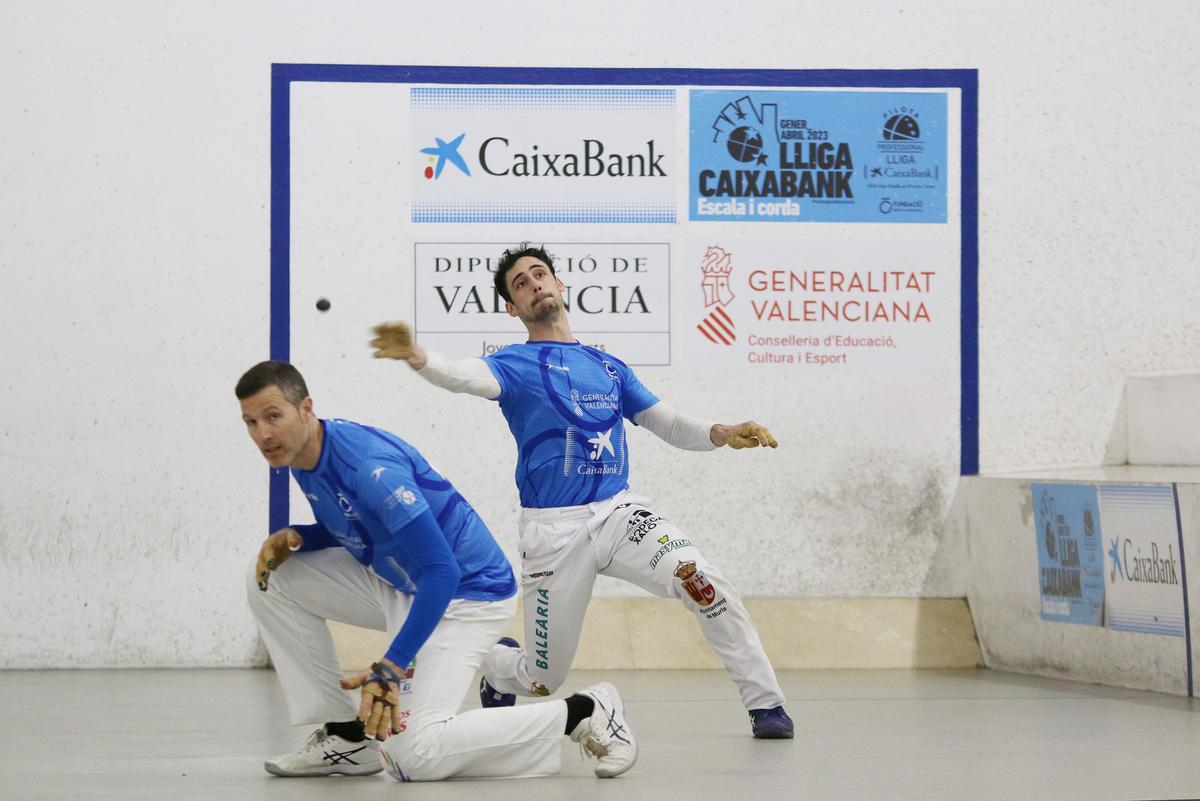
x: 882, y: 735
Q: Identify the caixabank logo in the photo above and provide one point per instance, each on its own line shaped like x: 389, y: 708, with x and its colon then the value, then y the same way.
x: 816, y: 156
x: 516, y: 154
x: 500, y: 157
x: 1129, y: 563
x: 442, y: 153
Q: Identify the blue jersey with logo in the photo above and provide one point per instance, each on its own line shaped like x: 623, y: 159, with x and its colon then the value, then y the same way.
x: 564, y: 403
x: 369, y: 484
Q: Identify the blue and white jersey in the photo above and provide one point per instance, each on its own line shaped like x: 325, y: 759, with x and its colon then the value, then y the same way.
x: 564, y: 403
x: 369, y: 484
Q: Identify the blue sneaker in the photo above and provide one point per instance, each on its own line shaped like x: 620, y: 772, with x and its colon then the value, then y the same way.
x: 489, y: 696
x: 771, y: 724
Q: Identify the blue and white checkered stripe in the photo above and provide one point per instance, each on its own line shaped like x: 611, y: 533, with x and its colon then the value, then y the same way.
x: 597, y: 211
x: 522, y: 99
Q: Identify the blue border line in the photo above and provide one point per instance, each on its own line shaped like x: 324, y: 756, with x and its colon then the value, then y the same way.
x: 967, y: 80
x: 281, y: 256
x: 365, y: 73
x: 969, y: 288
x: 1187, y: 619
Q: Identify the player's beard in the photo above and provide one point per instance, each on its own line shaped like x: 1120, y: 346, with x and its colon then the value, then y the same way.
x: 543, y: 312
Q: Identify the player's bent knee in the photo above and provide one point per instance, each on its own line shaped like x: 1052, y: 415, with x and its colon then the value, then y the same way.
x: 413, y: 757
x: 408, y: 768
x: 546, y: 680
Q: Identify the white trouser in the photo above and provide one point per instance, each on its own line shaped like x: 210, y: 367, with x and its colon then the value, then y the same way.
x: 437, y: 741
x: 562, y: 552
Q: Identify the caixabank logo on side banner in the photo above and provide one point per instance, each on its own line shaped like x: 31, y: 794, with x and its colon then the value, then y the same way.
x: 787, y: 156
x: 516, y: 154
x: 1142, y: 559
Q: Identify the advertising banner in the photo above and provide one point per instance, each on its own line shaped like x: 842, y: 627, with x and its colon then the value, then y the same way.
x: 817, y: 156
x: 1142, y: 560
x: 548, y: 155
x: 861, y: 305
x: 618, y: 297
x: 1067, y: 524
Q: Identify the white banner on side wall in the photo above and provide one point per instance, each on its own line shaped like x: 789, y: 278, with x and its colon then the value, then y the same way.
x: 1141, y: 539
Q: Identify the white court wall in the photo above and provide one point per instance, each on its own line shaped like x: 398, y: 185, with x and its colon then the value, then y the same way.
x: 134, y: 230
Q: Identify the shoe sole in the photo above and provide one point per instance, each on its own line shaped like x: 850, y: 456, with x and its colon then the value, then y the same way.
x: 274, y: 770
x: 774, y: 734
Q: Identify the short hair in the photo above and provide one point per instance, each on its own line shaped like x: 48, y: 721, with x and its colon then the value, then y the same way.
x: 273, y: 374
x: 510, y: 257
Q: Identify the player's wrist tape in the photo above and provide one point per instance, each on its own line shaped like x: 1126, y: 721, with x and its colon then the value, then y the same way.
x: 383, y: 674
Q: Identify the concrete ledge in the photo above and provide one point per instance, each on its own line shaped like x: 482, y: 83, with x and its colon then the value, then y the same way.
x: 1162, y: 418
x: 998, y: 517
x: 623, y: 633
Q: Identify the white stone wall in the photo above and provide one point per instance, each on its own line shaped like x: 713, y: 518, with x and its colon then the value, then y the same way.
x: 134, y: 230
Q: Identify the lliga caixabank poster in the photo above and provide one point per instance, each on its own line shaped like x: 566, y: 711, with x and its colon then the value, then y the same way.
x: 818, y: 156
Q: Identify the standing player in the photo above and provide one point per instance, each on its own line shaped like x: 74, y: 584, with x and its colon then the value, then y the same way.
x: 395, y: 548
x: 565, y: 404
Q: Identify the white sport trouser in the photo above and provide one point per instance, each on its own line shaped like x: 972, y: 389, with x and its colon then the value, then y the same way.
x: 437, y: 741
x: 563, y: 550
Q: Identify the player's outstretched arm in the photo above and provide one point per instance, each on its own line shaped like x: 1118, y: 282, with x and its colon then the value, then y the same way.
x: 742, y: 435
x: 472, y: 376
x: 396, y: 341
x: 694, y: 434
x: 680, y: 430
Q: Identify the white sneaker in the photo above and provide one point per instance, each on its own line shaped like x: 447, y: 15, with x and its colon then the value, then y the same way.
x: 606, y: 734
x: 325, y: 754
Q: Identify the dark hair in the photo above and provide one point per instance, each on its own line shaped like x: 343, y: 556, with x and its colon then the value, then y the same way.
x: 273, y: 374
x: 510, y: 257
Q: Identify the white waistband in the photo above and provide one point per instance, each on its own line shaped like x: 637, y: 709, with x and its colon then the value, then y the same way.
x: 585, y: 510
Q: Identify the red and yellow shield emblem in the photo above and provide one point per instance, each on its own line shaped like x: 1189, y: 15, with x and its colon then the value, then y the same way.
x: 695, y: 583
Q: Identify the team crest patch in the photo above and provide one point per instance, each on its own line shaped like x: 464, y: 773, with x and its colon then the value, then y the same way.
x: 695, y: 583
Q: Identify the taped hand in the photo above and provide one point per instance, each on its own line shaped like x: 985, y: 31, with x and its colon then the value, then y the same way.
x: 744, y: 435
x: 393, y: 341
x: 274, y: 552
x: 377, y: 707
